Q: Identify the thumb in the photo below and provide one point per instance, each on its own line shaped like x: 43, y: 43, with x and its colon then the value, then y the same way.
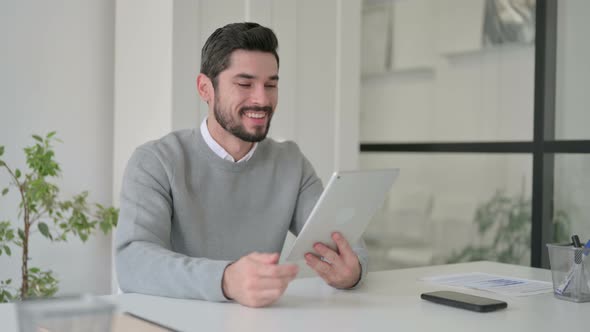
x: 272, y: 258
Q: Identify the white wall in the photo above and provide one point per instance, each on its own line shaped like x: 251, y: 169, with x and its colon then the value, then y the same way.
x: 143, y: 78
x: 56, y: 73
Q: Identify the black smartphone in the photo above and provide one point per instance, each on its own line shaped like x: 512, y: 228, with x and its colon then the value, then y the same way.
x: 464, y: 301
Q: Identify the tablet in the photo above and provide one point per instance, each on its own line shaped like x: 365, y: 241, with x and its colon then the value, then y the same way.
x: 347, y: 205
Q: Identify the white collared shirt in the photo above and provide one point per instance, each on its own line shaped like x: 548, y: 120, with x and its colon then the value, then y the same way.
x: 218, y: 149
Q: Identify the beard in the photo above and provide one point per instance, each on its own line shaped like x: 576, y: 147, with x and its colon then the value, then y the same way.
x: 235, y: 127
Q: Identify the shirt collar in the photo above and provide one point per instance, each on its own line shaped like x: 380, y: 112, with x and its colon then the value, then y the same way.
x: 218, y: 149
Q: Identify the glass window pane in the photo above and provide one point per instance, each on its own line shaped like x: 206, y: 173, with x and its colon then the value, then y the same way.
x: 445, y: 74
x: 452, y: 207
x: 572, y: 189
x: 573, y: 70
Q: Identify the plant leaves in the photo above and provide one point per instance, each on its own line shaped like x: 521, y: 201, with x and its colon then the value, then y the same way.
x: 83, y: 237
x: 44, y: 229
x: 4, y: 191
x: 5, y: 296
x: 17, y: 173
x: 21, y: 234
x: 51, y: 134
x: 1, y: 150
x: 38, y: 138
x: 41, y: 283
x: 7, y: 249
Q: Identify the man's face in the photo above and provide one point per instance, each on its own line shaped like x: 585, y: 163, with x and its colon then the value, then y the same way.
x: 247, y: 94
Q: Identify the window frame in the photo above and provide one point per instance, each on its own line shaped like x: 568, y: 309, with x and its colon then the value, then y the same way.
x: 543, y: 147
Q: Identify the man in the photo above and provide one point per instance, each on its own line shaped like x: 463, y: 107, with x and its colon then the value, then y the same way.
x: 204, y: 213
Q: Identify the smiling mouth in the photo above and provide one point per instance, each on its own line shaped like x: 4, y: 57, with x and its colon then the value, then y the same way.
x: 255, y: 114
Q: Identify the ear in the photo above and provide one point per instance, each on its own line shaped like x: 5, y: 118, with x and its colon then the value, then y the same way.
x: 205, y: 88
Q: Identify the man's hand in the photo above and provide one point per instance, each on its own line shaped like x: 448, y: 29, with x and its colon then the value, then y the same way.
x: 340, y: 269
x: 256, y: 280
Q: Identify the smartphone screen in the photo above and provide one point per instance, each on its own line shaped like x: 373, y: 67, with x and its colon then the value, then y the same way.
x: 464, y: 301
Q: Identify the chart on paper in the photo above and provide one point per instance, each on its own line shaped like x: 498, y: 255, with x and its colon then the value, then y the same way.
x: 493, y: 283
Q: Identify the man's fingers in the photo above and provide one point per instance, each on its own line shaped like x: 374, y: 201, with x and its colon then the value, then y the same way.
x: 265, y: 258
x: 270, y: 283
x: 270, y: 296
x: 343, y: 246
x: 257, y: 280
x: 288, y: 271
x: 330, y: 255
x: 322, y: 268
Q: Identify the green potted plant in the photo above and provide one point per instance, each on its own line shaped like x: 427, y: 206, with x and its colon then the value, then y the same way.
x: 508, y: 220
x: 41, y: 210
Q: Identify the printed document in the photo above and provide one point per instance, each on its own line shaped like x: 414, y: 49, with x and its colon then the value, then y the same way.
x: 493, y: 283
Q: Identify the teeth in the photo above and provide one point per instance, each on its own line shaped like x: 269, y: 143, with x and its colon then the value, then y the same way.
x: 256, y: 115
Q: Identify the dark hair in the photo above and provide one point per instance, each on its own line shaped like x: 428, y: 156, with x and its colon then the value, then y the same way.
x: 215, y: 55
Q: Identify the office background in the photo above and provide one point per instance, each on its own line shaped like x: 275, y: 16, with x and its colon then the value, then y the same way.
x: 109, y: 75
x: 453, y: 94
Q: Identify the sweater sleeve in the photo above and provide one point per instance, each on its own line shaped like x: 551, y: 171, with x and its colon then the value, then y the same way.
x: 145, y: 261
x: 310, y: 191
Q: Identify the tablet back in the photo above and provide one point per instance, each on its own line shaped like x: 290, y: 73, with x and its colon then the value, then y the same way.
x: 348, y: 203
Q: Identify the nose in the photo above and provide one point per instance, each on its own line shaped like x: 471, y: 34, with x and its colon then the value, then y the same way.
x: 261, y: 96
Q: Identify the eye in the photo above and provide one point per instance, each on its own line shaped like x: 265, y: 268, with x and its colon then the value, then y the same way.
x: 270, y: 86
x: 244, y: 85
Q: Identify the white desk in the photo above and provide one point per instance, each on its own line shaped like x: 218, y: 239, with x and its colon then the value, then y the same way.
x: 388, y: 301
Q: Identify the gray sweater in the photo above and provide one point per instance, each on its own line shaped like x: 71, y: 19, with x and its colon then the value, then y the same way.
x: 186, y: 213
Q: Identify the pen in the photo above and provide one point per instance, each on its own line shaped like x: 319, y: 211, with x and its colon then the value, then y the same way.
x: 585, y: 248
x: 578, y: 253
x: 576, y: 268
x: 576, y: 241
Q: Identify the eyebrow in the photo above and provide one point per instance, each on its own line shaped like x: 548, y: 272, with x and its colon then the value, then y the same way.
x: 249, y: 77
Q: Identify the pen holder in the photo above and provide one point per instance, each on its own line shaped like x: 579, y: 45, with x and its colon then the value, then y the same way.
x: 85, y: 313
x: 570, y: 270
